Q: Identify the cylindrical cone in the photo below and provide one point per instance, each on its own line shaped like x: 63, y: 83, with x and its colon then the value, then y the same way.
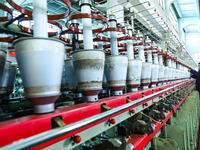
x: 134, y: 72
x: 169, y: 74
x: 116, y: 72
x: 146, y: 74
x: 161, y: 74
x: 41, y: 63
x: 11, y: 79
x: 5, y: 77
x: 154, y: 74
x: 166, y: 74
x: 89, y: 68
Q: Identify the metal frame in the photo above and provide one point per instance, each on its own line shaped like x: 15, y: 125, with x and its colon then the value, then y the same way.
x: 78, y: 117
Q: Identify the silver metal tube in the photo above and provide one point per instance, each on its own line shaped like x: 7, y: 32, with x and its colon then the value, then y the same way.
x: 55, y: 133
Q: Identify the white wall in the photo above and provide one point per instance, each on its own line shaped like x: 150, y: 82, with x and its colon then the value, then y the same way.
x: 192, y: 41
x: 183, y: 22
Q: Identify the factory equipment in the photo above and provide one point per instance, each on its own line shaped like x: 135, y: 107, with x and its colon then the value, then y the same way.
x: 146, y: 66
x: 155, y: 67
x: 161, y: 74
x: 115, y: 63
x: 88, y: 63
x: 93, y: 86
x: 42, y: 91
x: 5, y: 78
x: 134, y: 65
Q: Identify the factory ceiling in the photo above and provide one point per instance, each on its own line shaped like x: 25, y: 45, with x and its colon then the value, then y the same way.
x: 188, y: 9
x: 149, y: 22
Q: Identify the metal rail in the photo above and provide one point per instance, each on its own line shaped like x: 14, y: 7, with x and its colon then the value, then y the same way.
x: 55, y: 133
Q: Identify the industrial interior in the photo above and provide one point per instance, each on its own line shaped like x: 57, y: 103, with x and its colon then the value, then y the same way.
x: 99, y: 74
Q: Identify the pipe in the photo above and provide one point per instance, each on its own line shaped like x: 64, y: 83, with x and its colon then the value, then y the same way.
x: 57, y: 132
x: 100, y: 43
x: 141, y: 53
x: 169, y: 63
x: 75, y: 43
x: 129, y: 44
x: 140, y: 48
x: 155, y: 58
x: 13, y: 20
x: 160, y: 58
x: 149, y: 56
x: 113, y: 35
x: 40, y: 18
x: 87, y: 25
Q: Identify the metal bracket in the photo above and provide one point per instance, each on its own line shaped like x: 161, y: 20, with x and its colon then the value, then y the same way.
x: 150, y: 118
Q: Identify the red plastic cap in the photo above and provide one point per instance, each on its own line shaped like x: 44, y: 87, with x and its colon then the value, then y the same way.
x: 112, y: 121
x: 132, y: 111
x: 146, y: 104
x: 77, y: 139
x: 166, y: 93
x: 161, y: 96
x: 171, y: 92
x: 156, y: 103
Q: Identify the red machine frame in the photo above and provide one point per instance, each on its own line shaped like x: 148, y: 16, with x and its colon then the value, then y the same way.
x: 24, y: 127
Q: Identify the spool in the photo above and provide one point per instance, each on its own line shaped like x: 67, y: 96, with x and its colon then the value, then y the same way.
x: 116, y: 71
x: 41, y: 63
x: 134, y: 72
x: 146, y: 74
x: 89, y: 67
